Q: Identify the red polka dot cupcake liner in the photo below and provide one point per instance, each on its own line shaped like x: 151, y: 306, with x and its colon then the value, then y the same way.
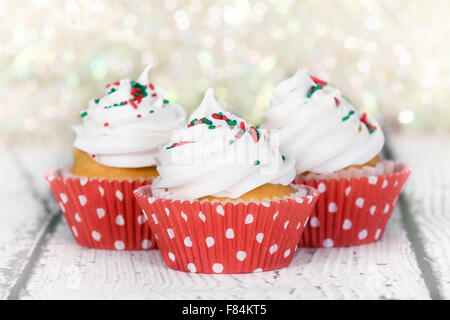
x: 353, y: 211
x: 102, y: 214
x: 227, y: 237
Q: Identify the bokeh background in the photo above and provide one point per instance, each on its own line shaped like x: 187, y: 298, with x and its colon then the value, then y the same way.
x: 390, y: 58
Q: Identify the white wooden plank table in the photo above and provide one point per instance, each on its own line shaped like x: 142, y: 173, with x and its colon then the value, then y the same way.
x: 40, y: 260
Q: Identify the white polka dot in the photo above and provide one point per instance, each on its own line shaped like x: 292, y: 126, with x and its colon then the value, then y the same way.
x: 287, y: 253
x: 257, y: 270
x: 171, y: 256
x: 63, y: 209
x: 77, y: 217
x: 75, y: 232
x: 373, y: 180
x: 286, y: 224
x: 332, y: 207
x: 229, y: 234
x: 217, y: 267
x: 347, y: 224
x: 310, y: 198
x: 201, y: 216
x: 63, y: 197
x: 386, y: 208
x: 299, y: 224
x: 372, y: 210
x: 265, y: 204
x: 167, y: 211
x: 170, y: 233
x: 154, y: 219
x: 220, y: 210
x: 184, y: 216
x: 96, y: 235
x: 385, y: 184
x: 100, y: 213
x: 395, y: 183
x: 119, y: 245
x: 120, y: 221
x: 359, y: 202
x: 101, y: 190
x: 83, y: 181
x: 273, y: 249
x: 209, y: 242
x: 191, y: 267
x: 260, y: 237
x: 119, y: 195
x: 151, y: 200
x: 299, y: 200
x: 248, y: 219
x: 187, y: 242
x: 328, y: 243
x: 362, y: 234
x: 275, y: 215
x: 240, y: 255
x: 348, y: 190
x: 141, y: 219
x: 377, y: 234
x: 322, y: 187
x: 146, y: 244
x: 314, y: 222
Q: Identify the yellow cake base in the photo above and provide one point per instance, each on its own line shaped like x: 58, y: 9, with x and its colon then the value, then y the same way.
x: 266, y: 191
x: 85, y: 166
x: 372, y: 163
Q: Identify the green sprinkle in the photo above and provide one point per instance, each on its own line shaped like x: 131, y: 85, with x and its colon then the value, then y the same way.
x: 122, y: 103
x: 231, y: 122
x: 283, y: 157
x: 241, y: 132
x: 207, y: 121
x: 257, y: 162
x: 211, y: 127
x: 97, y: 100
x: 193, y: 121
x: 312, y: 90
x: 231, y: 142
x: 165, y: 101
x: 84, y: 114
x: 151, y: 111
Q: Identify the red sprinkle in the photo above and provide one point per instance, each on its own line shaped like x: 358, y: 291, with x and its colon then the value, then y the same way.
x: 318, y: 81
x: 108, y: 85
x: 372, y: 128
x: 242, y: 125
x: 216, y: 116
x: 154, y: 94
x: 151, y: 86
x: 93, y: 156
x: 133, y: 104
x: 253, y: 133
x: 116, y: 83
x: 364, y: 118
x: 106, y: 124
x: 139, y: 116
x: 238, y: 135
x: 337, y: 101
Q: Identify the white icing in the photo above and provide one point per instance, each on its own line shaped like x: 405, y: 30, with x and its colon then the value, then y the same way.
x: 132, y: 136
x: 313, y: 130
x: 209, y: 165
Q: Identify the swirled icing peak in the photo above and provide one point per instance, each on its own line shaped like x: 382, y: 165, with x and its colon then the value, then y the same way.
x: 220, y: 154
x: 126, y: 127
x: 322, y: 130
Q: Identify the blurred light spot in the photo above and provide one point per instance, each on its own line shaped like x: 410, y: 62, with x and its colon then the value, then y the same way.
x: 99, y: 68
x: 29, y: 124
x: 232, y: 15
x: 330, y: 62
x: 170, y: 5
x: 268, y: 63
x: 72, y: 80
x: 229, y: 44
x: 196, y: 6
x: 371, y: 47
x: 321, y: 29
x: 204, y: 58
x: 214, y: 17
x: 406, y: 116
x: 350, y: 43
x: 181, y: 20
x: 426, y: 97
x: 98, y: 6
x: 363, y: 66
x: 165, y: 34
x: 209, y: 41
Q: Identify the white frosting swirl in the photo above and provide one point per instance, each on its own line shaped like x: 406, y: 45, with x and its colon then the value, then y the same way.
x: 213, y: 156
x: 126, y: 127
x: 320, y: 128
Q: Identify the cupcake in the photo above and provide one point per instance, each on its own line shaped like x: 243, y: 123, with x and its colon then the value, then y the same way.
x: 223, y: 201
x: 337, y: 150
x: 114, y: 153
